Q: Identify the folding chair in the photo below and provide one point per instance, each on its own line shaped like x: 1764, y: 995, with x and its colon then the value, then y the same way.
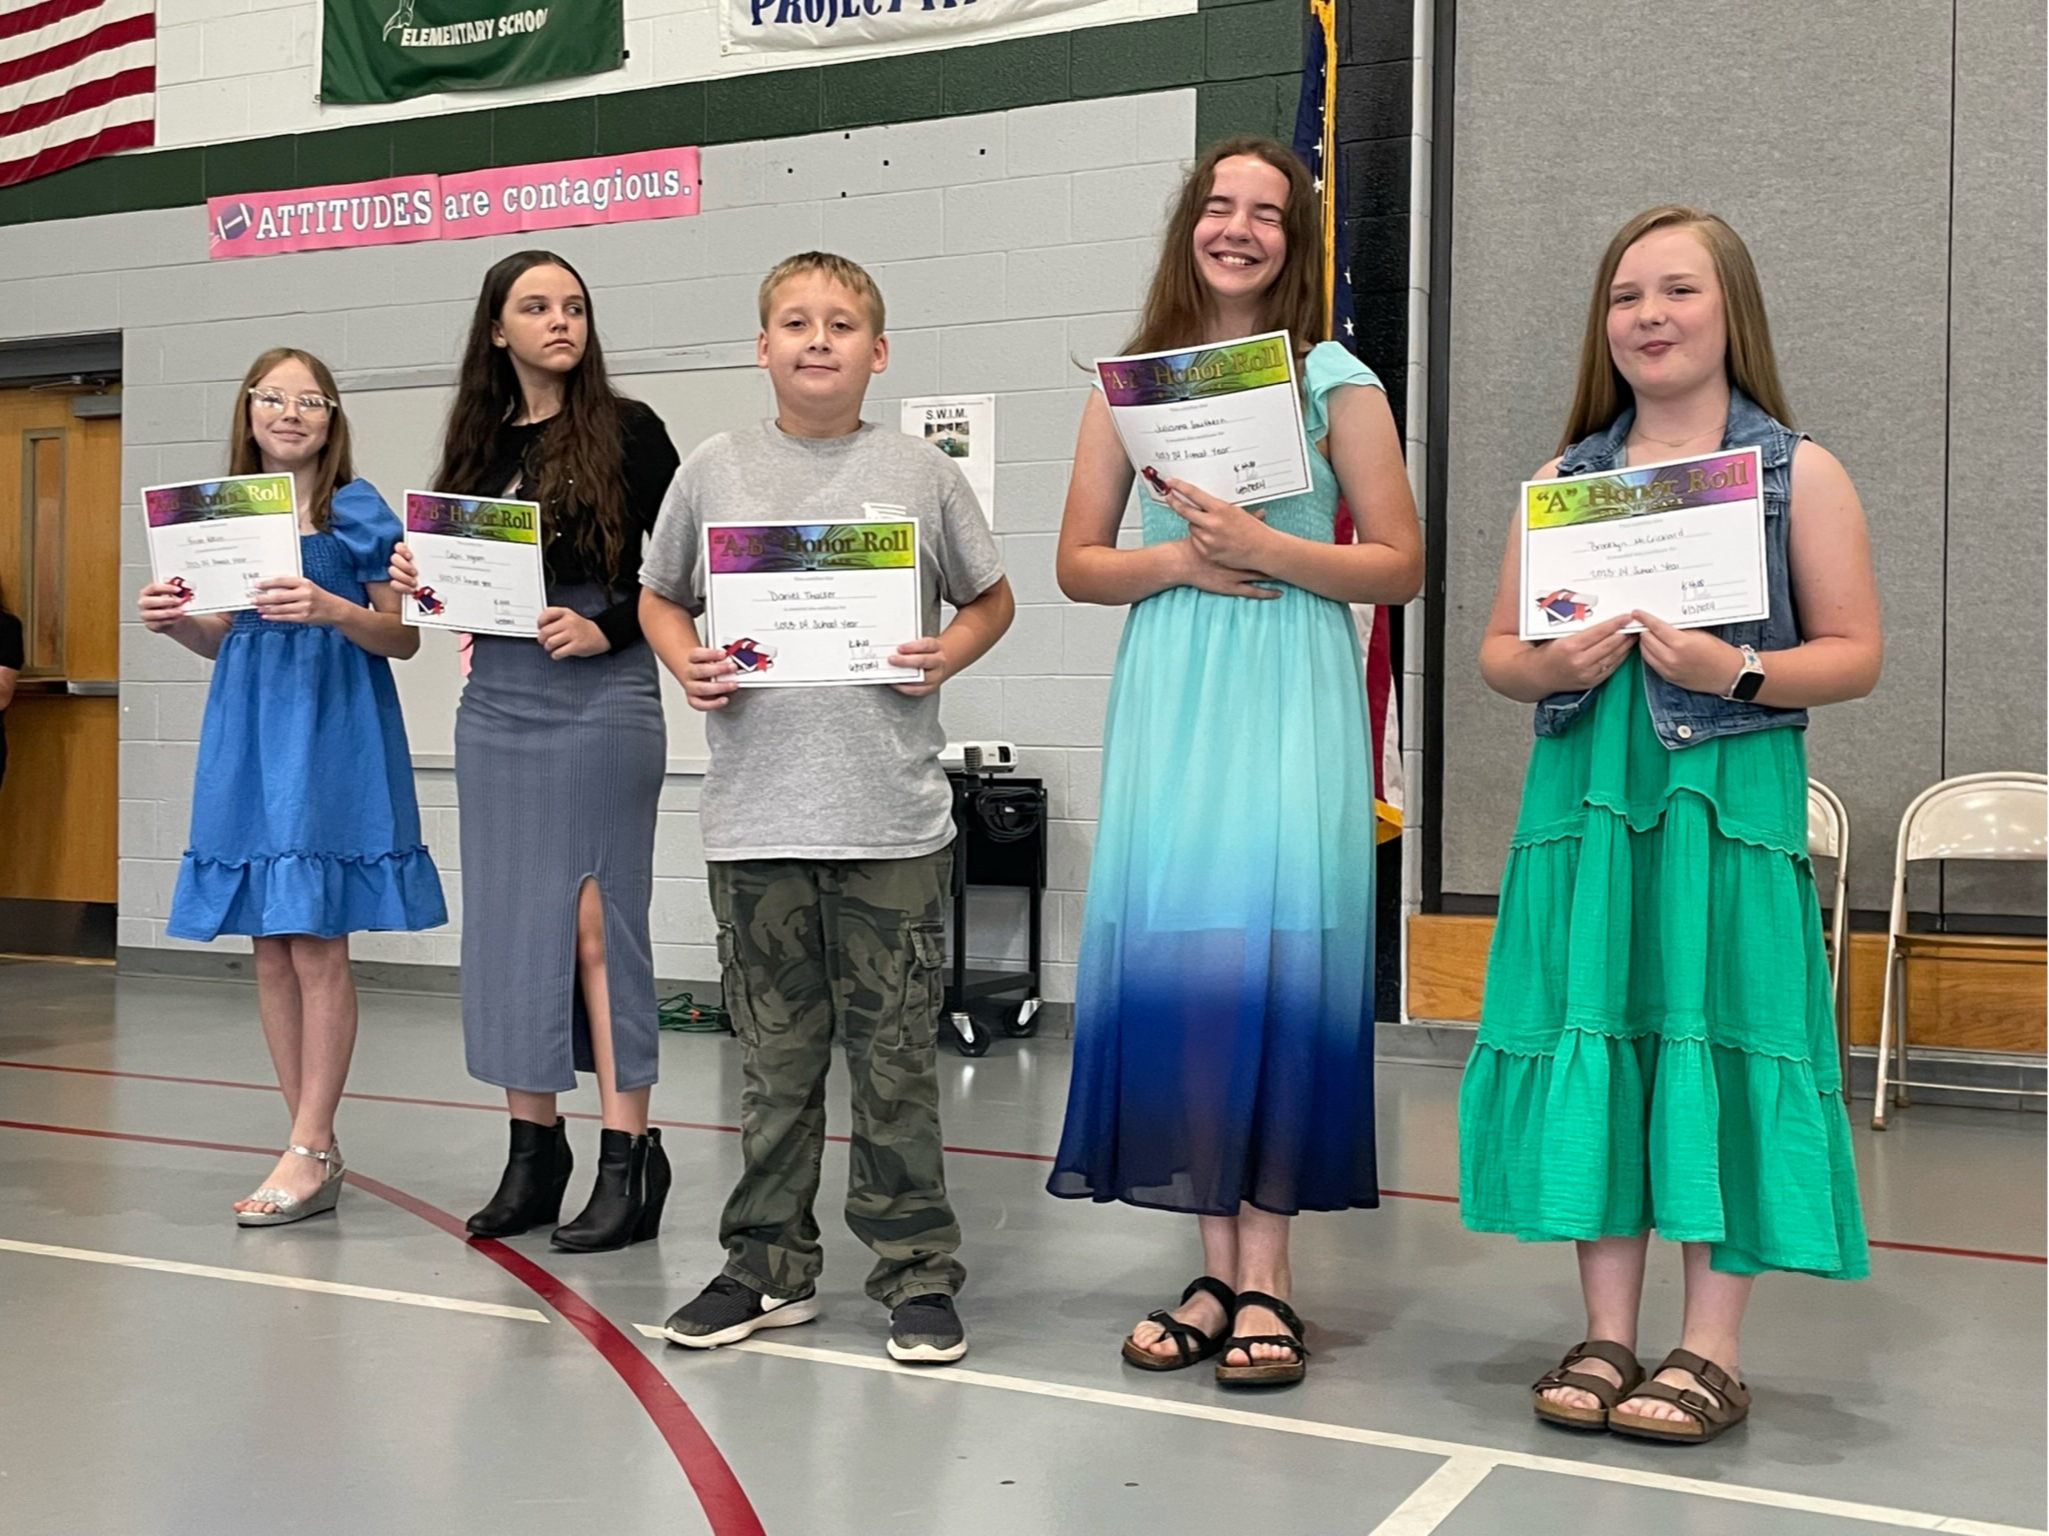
x: 1828, y: 837
x: 1997, y: 816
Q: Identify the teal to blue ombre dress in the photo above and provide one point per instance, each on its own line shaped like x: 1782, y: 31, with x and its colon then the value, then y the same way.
x: 1223, y: 1036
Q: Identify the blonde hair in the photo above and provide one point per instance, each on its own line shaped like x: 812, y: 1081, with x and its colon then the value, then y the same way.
x: 850, y: 275
x: 1602, y: 392
x: 1178, y: 302
x: 337, y: 463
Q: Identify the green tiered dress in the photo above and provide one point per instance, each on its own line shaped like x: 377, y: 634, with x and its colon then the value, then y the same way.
x: 1657, y: 1046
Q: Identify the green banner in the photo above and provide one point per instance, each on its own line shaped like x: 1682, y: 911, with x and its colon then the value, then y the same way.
x: 387, y: 50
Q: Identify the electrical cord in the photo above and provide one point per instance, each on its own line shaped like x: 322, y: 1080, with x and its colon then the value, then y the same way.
x: 1007, y: 815
x: 684, y: 1013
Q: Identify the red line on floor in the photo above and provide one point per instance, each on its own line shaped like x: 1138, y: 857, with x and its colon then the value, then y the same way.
x: 1960, y: 1253
x: 734, y: 1130
x: 725, y: 1502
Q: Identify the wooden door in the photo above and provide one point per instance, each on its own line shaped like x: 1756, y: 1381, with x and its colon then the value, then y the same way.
x: 60, y: 571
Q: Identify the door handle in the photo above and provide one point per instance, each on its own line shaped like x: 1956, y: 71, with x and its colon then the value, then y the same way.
x: 93, y: 688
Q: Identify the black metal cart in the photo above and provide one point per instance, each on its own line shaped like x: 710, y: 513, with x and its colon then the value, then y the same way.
x: 1001, y: 824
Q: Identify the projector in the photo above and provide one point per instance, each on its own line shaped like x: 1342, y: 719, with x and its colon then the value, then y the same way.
x: 979, y: 757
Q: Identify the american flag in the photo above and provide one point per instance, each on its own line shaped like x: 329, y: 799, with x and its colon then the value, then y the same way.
x: 77, y: 79
x: 1316, y: 141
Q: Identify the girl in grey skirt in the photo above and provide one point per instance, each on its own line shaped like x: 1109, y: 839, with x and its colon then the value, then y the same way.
x: 559, y: 752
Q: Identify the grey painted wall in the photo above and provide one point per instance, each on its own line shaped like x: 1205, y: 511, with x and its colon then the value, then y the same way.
x: 1994, y: 646
x: 1825, y: 138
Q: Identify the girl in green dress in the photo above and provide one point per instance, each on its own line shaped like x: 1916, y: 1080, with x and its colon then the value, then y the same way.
x: 1656, y: 1043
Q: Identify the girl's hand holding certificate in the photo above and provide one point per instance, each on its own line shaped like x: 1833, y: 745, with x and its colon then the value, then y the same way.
x: 1229, y: 543
x: 295, y: 600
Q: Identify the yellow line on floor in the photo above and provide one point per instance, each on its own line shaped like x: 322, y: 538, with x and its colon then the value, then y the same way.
x: 281, y: 1282
x: 1469, y: 1457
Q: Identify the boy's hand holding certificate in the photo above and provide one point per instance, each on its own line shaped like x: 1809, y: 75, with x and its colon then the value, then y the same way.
x: 216, y: 539
x: 804, y: 604
x: 1227, y: 419
x: 1683, y: 540
x: 479, y: 561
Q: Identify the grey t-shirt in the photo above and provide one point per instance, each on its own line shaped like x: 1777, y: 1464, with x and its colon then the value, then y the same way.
x: 824, y: 773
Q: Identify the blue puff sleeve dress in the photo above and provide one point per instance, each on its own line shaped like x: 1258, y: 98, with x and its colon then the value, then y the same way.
x: 303, y: 815
x: 1223, y: 1034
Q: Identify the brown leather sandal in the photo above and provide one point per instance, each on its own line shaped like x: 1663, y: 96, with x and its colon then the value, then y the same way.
x: 1724, y: 1405
x: 1600, y: 1388
x: 1191, y: 1345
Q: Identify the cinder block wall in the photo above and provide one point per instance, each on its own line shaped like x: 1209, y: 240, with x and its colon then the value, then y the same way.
x: 1007, y: 195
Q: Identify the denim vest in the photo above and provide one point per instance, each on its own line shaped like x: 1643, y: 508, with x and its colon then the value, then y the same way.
x: 1684, y: 718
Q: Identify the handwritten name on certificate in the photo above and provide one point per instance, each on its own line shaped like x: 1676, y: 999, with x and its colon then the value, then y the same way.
x: 217, y: 538
x: 1226, y: 418
x: 807, y: 604
x: 1683, y: 539
x: 479, y: 561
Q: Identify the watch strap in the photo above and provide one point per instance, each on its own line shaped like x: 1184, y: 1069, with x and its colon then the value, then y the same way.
x: 1744, y: 687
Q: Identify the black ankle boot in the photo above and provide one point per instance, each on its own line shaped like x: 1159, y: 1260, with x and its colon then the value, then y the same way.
x: 626, y: 1202
x: 530, y: 1193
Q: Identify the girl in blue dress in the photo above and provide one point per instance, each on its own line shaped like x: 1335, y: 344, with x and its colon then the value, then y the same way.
x: 1223, y: 1052
x: 304, y: 825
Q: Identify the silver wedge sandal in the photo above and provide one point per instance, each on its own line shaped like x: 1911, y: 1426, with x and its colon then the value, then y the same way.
x: 291, y: 1208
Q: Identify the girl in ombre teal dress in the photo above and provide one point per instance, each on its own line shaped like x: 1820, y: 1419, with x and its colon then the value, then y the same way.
x: 1223, y: 1053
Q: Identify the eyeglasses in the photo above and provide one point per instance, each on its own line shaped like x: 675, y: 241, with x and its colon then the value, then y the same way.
x: 274, y: 401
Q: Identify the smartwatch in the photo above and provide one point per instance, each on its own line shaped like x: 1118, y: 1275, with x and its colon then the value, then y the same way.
x: 1749, y: 680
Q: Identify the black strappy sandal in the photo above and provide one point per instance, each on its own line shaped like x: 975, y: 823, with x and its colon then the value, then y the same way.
x: 1264, y: 1373
x: 1192, y: 1346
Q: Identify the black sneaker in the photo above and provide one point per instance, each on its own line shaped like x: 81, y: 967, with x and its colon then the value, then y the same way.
x: 925, y: 1330
x: 726, y: 1311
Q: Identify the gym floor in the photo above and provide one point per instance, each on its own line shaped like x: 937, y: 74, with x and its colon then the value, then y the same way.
x: 162, y: 1371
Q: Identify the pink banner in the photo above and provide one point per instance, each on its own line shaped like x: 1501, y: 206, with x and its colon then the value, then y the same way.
x: 388, y: 212
x: 609, y: 189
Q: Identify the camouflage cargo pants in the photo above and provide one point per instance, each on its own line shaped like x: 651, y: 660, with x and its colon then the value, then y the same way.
x: 811, y: 950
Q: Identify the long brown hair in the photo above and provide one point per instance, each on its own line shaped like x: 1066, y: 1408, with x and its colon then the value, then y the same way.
x: 580, y: 463
x: 1602, y: 392
x: 336, y: 466
x: 1178, y: 305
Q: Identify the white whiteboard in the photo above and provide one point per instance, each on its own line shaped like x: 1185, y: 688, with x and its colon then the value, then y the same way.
x: 397, y: 440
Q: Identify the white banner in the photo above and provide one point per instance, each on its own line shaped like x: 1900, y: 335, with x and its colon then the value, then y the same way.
x: 776, y: 26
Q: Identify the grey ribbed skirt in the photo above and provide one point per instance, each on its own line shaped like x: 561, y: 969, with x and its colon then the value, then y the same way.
x: 558, y: 767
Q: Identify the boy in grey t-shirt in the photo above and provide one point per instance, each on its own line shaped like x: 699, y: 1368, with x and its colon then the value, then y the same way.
x: 828, y: 825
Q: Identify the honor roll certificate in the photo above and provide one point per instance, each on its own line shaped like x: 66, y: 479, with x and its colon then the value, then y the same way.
x: 479, y: 562
x: 1683, y: 540
x: 217, y: 538
x: 1226, y: 418
x: 804, y: 604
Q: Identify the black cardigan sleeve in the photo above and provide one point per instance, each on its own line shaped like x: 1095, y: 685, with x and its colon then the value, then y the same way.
x: 651, y: 461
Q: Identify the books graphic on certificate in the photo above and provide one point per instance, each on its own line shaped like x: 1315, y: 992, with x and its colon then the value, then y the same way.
x: 1682, y: 539
x: 810, y: 604
x: 1226, y: 418
x: 479, y: 560
x: 216, y: 539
